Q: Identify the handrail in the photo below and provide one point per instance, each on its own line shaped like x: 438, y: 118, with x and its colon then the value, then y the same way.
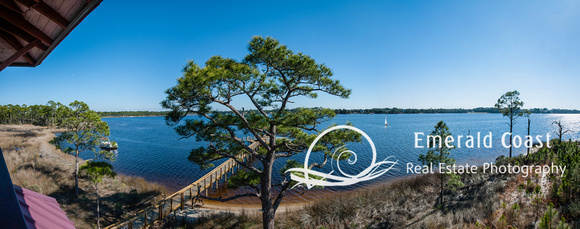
x: 219, y: 172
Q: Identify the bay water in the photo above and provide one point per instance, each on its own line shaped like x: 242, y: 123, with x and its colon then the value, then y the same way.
x: 149, y: 148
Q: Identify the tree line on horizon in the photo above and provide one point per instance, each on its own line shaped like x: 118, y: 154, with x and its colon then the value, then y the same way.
x: 50, y: 113
x: 46, y: 115
x: 40, y: 115
x: 393, y: 110
x: 131, y: 113
x: 396, y: 110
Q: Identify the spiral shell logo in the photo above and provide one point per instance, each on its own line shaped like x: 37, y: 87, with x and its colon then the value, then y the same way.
x: 311, y: 178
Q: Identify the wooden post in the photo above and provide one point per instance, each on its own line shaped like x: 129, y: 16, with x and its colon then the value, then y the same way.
x: 191, y: 196
x: 205, y: 184
x: 218, y: 176
x: 145, y: 222
x: 170, y: 205
x: 160, y: 212
x: 130, y: 224
x: 182, y: 200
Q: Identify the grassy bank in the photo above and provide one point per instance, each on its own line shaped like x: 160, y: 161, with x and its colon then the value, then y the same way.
x: 407, y: 203
x: 36, y: 165
x: 487, y: 200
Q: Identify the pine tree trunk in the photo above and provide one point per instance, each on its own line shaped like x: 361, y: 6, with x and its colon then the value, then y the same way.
x: 441, y: 195
x: 77, y: 173
x: 528, y: 150
x: 268, y: 210
x: 98, y: 207
x: 511, y: 137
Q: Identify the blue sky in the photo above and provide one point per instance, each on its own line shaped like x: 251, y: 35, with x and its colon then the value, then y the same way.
x: 422, y: 54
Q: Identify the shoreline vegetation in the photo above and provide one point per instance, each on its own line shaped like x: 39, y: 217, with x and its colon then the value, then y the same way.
x: 394, y: 110
x: 37, y: 165
x: 486, y: 200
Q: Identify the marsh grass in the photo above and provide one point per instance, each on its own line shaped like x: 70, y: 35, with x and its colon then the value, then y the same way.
x: 36, y: 165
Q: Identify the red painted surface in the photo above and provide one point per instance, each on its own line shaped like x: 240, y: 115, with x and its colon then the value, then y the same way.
x: 41, y: 211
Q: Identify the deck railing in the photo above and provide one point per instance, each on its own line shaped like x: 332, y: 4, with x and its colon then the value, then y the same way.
x: 157, y: 212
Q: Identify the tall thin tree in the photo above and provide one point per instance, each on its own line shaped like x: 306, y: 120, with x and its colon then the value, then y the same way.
x: 84, y: 129
x: 439, y: 155
x: 96, y: 171
x: 510, y: 105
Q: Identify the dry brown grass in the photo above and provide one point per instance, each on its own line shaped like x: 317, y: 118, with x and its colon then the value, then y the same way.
x: 486, y: 200
x: 409, y: 203
x: 32, y: 162
x: 35, y: 164
x: 393, y: 205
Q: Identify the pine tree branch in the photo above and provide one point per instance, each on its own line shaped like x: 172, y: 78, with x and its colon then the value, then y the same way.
x: 317, y: 165
x: 278, y: 200
x: 233, y: 137
x: 252, y: 130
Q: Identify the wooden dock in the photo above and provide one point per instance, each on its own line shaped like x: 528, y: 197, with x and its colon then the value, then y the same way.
x: 150, y: 215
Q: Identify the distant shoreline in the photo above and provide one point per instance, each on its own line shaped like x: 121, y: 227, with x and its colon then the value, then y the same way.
x: 490, y: 110
x: 114, y: 114
x: 130, y: 114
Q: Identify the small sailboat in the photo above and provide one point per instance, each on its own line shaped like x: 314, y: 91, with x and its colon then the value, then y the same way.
x: 386, y: 123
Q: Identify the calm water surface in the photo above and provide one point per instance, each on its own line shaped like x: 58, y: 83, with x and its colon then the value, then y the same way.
x: 151, y: 149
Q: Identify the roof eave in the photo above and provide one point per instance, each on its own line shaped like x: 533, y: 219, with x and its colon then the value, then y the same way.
x: 73, y: 24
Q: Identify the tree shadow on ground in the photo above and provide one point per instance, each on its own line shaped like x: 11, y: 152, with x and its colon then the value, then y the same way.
x: 113, y: 208
x: 116, y: 206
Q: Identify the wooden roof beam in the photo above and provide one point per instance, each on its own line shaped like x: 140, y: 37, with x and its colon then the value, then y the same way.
x: 10, y: 4
x: 12, y: 29
x: 45, y: 10
x: 10, y: 39
x: 18, y: 54
x: 19, y: 21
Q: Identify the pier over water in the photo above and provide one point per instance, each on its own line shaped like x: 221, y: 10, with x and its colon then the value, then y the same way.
x: 178, y: 200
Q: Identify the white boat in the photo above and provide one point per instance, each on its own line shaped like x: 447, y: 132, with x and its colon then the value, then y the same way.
x: 386, y: 123
x: 106, y: 144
